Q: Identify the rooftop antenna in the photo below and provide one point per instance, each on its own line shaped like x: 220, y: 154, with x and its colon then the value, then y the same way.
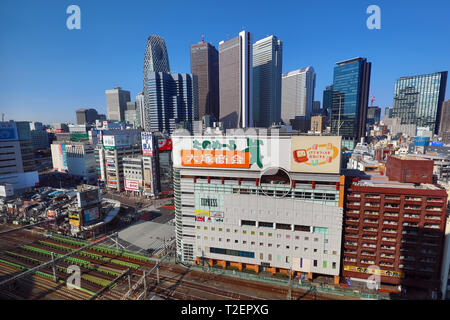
x: 203, y: 38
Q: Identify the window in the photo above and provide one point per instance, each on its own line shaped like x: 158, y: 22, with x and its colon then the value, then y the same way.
x: 213, y: 229
x: 316, y: 239
x: 248, y: 223
x: 333, y: 265
x: 228, y: 240
x: 265, y: 224
x: 283, y: 226
x: 269, y: 234
x: 261, y: 244
x: 270, y: 257
x: 198, y: 227
x: 278, y: 235
x: 206, y: 238
x: 315, y: 263
x: 244, y: 231
x: 261, y: 256
x: 296, y: 248
x: 198, y: 237
x: 320, y: 230
x: 220, y: 239
x: 302, y: 228
x: 244, y: 242
x: 287, y: 247
x: 287, y: 259
x: 261, y: 233
x: 253, y: 233
x: 206, y: 228
x: 236, y: 241
x: 315, y: 250
x: 220, y: 229
x: 253, y: 242
x: 228, y: 230
x: 235, y: 230
x: 324, y: 264
x: 297, y: 238
x: 306, y: 238
x: 334, y: 252
x: 288, y: 236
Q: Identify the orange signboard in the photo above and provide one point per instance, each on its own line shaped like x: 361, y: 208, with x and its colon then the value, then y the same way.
x: 215, y: 158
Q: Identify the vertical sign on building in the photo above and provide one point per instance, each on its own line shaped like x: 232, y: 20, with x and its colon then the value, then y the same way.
x: 147, y: 144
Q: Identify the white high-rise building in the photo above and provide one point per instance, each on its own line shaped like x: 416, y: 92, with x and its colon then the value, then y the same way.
x: 236, y: 81
x: 267, y: 68
x: 297, y: 94
x: 116, y: 103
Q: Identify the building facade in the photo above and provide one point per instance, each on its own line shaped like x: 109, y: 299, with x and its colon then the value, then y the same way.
x: 170, y: 99
x: 418, y: 99
x: 297, y: 94
x: 351, y: 81
x: 444, y: 126
x: 86, y: 116
x: 235, y: 81
x: 116, y: 103
x: 236, y: 207
x: 395, y: 230
x: 205, y: 65
x: 267, y: 69
x: 373, y: 115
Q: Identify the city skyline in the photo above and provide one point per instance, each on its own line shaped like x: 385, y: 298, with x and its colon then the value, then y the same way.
x: 74, y: 61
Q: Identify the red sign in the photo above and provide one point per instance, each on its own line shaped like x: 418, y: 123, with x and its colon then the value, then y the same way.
x: 164, y: 144
x: 132, y: 185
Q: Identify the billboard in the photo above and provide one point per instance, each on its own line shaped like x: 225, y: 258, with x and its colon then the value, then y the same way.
x: 321, y: 154
x: 8, y: 131
x: 164, y: 144
x: 250, y: 152
x: 88, y: 197
x: 147, y: 144
x: 91, y: 215
x: 133, y: 184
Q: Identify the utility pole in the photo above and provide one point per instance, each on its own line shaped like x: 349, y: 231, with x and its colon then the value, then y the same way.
x: 54, y: 267
x: 339, y: 121
x: 289, y: 295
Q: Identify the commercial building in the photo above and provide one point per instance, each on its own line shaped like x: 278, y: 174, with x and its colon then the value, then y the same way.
x: 88, y: 210
x: 115, y: 147
x: 205, y: 65
x: 39, y: 139
x: 373, y: 115
x: 267, y: 203
x: 156, y: 57
x: 445, y: 273
x: 327, y: 100
x: 76, y: 159
x: 351, y: 81
x: 444, y: 126
x: 236, y: 81
x: 418, y: 99
x: 318, y: 123
x: 116, y: 103
x: 171, y: 98
x: 394, y: 229
x: 297, y: 94
x: 132, y: 114
x: 17, y: 167
x: 267, y: 69
x: 86, y: 116
x: 133, y: 174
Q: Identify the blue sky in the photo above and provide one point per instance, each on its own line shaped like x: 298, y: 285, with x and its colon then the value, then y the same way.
x: 48, y: 71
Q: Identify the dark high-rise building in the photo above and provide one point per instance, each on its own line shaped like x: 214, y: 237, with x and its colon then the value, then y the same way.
x: 172, y: 99
x: 373, y: 115
x: 327, y: 102
x: 205, y: 65
x: 267, y: 68
x: 444, y: 127
x: 388, y: 112
x: 418, y: 99
x: 235, y: 82
x: 85, y: 116
x: 351, y: 83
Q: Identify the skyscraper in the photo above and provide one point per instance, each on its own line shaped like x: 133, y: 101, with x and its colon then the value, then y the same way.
x: 235, y: 81
x: 418, y: 99
x: 267, y: 68
x: 297, y: 94
x: 116, y: 103
x: 156, y: 57
x: 351, y: 83
x: 140, y: 107
x: 156, y: 60
x: 172, y: 99
x: 205, y: 65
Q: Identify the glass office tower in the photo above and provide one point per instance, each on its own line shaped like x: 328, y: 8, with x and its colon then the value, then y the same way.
x: 418, y: 99
x: 351, y: 83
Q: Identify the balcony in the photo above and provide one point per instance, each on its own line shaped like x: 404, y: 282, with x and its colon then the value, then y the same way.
x: 388, y: 239
x: 372, y: 196
x: 351, y: 236
x: 371, y: 213
x: 410, y: 224
x: 353, y: 197
x: 432, y: 218
x: 396, y: 198
x: 407, y: 258
x: 350, y: 243
x: 431, y: 226
x: 433, y: 209
x: 389, y: 231
x: 372, y: 205
x: 352, y: 213
x: 352, y: 222
x: 389, y: 248
x: 371, y: 222
x: 435, y: 200
x: 392, y: 223
x: 370, y: 231
x: 353, y: 205
x: 369, y: 245
x: 391, y: 207
x: 387, y: 256
x: 349, y: 259
x: 369, y: 262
